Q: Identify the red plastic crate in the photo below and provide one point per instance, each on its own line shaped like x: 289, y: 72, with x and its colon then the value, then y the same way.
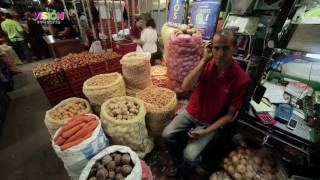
x: 57, y: 95
x: 98, y: 68
x: 114, y: 65
x: 124, y: 47
x: 76, y: 77
x: 55, y: 87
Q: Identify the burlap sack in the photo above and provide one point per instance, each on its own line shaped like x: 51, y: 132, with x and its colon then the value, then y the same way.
x: 132, y: 133
x: 54, y: 124
x: 136, y: 71
x: 109, y: 86
x: 158, y: 116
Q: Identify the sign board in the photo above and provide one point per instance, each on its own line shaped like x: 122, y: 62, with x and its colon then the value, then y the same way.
x: 176, y: 12
x: 204, y: 16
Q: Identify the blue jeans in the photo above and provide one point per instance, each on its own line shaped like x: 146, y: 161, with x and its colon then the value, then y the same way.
x: 180, y: 125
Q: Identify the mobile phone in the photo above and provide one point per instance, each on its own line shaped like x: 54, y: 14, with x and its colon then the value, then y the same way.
x: 292, y: 124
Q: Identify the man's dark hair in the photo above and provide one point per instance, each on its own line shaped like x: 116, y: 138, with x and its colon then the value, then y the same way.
x: 227, y: 34
x: 138, y: 18
x: 151, y: 23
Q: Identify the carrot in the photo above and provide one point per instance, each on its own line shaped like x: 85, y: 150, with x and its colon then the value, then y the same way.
x: 82, y: 132
x: 92, y: 125
x: 57, y: 136
x: 70, y: 125
x: 60, y: 140
x: 66, y: 134
x: 72, y: 143
x: 87, y: 118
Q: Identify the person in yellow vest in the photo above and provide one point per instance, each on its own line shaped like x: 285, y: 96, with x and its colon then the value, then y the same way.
x: 14, y: 32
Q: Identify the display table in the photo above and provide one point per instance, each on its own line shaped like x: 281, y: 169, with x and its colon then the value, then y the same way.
x: 59, y: 48
x: 294, y: 148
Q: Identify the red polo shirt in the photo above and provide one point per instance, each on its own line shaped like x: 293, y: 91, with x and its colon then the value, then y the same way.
x: 135, y: 32
x: 215, y: 93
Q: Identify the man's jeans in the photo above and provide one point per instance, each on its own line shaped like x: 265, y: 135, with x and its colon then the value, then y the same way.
x: 22, y: 50
x: 180, y: 125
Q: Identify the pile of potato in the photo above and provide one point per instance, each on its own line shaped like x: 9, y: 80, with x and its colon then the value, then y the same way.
x: 102, y: 80
x: 73, y: 60
x: 112, y: 166
x: 123, y: 110
x: 156, y: 96
x: 68, y: 110
x: 244, y: 164
x: 159, y: 76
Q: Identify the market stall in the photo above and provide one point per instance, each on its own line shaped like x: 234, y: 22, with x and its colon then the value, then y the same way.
x: 111, y: 108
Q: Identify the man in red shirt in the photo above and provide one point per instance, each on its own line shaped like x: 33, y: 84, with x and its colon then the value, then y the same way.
x: 220, y: 86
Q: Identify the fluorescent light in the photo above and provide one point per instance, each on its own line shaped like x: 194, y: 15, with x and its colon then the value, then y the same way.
x: 315, y: 56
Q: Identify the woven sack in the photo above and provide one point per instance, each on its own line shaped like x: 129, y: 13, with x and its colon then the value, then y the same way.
x: 136, y: 71
x: 158, y: 116
x: 99, y: 93
x: 132, y: 133
x: 54, y: 124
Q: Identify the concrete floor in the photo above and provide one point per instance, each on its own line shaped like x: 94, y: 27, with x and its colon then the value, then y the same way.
x: 25, y: 147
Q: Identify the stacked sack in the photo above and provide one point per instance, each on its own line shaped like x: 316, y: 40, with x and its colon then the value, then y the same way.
x: 159, y: 76
x: 78, y: 141
x: 64, y: 112
x: 136, y: 71
x: 102, y: 87
x: 123, y: 120
x: 161, y: 104
x: 185, y: 49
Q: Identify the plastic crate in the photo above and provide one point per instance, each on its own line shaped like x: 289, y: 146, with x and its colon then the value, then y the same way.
x: 114, y: 65
x: 57, y: 95
x: 55, y: 87
x: 98, y: 68
x: 124, y: 47
x: 76, y: 78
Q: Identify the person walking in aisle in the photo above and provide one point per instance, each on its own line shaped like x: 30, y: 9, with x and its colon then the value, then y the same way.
x: 15, y: 32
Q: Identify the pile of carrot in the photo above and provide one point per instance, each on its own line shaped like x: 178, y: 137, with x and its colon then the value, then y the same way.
x: 75, y: 131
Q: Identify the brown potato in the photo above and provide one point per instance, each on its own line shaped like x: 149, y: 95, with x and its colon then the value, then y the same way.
x: 126, y: 169
x: 102, y: 174
x: 111, y: 166
x: 112, y: 174
x: 119, y: 176
x: 125, y: 159
x: 106, y: 159
x: 117, y: 159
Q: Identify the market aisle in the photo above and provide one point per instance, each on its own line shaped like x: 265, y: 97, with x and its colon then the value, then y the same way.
x: 25, y: 149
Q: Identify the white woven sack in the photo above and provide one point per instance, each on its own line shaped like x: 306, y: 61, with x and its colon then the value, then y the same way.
x: 75, y: 158
x: 136, y: 172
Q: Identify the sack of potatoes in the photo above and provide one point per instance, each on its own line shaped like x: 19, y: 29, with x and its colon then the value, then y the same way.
x: 246, y: 164
x: 114, y: 162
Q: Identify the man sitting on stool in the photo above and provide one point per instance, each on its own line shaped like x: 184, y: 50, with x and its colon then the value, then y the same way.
x: 220, y: 86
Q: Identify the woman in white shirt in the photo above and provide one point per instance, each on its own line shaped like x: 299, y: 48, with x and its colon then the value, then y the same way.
x: 148, y: 39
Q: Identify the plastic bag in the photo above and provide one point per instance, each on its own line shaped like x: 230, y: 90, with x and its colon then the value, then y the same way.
x: 184, y: 55
x: 136, y: 172
x: 96, y: 47
x: 136, y: 71
x: 132, y: 133
x: 75, y: 158
x: 54, y: 124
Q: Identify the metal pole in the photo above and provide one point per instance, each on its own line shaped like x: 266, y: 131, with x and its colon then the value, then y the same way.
x: 108, y: 22
x: 114, y: 16
x: 121, y: 10
x: 77, y: 17
x: 139, y: 6
x: 158, y: 27
x: 65, y: 9
x: 91, y: 22
x: 128, y: 10
x: 84, y: 9
x: 167, y: 9
x: 100, y: 19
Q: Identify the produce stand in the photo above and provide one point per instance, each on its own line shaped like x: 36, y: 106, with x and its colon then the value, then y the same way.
x: 59, y: 48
